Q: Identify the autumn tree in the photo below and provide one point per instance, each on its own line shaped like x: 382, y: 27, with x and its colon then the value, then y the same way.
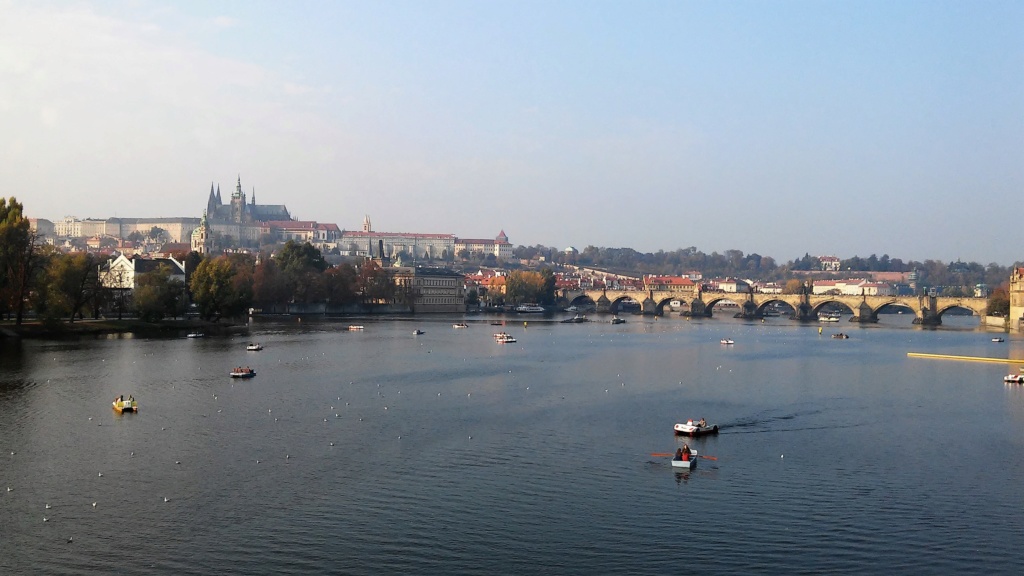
x: 215, y: 291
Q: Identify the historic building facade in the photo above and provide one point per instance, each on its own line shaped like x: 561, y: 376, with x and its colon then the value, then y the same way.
x: 367, y: 243
x: 432, y: 290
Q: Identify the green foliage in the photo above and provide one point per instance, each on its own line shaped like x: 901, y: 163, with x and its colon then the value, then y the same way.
x: 302, y: 266
x: 215, y: 290
x: 72, y: 282
x: 157, y: 295
x: 20, y: 264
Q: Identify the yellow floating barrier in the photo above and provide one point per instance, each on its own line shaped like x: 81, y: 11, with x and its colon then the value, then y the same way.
x: 966, y: 358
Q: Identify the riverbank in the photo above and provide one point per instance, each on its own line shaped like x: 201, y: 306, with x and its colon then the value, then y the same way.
x: 89, y: 327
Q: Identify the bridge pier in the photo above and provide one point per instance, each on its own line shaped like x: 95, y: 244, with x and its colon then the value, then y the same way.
x: 864, y: 314
x: 928, y: 316
x: 648, y: 307
x: 698, y: 308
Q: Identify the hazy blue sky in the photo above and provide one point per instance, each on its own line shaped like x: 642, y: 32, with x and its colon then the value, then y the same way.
x: 844, y: 128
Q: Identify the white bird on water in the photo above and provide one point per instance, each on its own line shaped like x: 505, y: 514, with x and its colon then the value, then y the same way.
x: 166, y: 499
x: 93, y: 504
x: 101, y: 474
x: 47, y: 506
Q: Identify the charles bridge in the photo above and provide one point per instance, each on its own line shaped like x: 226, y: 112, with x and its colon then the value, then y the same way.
x: 928, y: 310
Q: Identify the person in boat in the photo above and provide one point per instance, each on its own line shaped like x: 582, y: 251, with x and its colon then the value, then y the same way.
x: 686, y: 452
x: 131, y: 398
x: 679, y: 454
x: 702, y: 423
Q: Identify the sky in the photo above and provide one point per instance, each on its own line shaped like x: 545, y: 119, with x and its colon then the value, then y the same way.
x: 781, y: 128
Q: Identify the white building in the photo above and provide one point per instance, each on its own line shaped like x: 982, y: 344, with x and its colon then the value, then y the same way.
x: 123, y: 272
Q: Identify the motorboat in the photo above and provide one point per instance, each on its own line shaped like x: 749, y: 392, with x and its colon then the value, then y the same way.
x: 728, y: 341
x: 254, y: 347
x: 121, y: 406
x: 828, y: 317
x: 998, y: 339
x: 460, y: 325
x: 354, y: 328
x: 504, y: 338
x: 572, y: 309
x: 417, y: 332
x: 841, y: 336
x: 1012, y: 378
x: 688, y: 464
x: 617, y: 320
x: 577, y: 319
x: 243, y: 372
x: 195, y: 335
x: 529, y: 309
x: 691, y: 428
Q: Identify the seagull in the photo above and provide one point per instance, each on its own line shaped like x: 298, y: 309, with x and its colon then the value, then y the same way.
x: 45, y: 519
x: 332, y: 443
x: 70, y: 538
x: 93, y: 504
x: 177, y: 461
x: 166, y: 499
x: 101, y: 474
x: 47, y: 506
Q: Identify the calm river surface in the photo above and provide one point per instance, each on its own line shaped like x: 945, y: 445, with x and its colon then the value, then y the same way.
x: 379, y: 452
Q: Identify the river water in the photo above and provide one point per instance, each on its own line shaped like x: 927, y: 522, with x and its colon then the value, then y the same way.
x: 379, y: 451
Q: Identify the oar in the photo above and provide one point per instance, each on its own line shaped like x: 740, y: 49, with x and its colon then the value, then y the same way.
x: 667, y: 454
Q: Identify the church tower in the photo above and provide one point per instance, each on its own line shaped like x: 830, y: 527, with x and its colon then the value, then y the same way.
x: 213, y: 202
x: 238, y: 211
x: 366, y: 224
x: 201, y: 237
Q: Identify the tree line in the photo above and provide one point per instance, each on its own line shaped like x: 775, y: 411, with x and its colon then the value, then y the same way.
x: 734, y: 263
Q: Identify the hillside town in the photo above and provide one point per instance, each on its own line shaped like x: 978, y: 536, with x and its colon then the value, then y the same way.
x: 416, y: 271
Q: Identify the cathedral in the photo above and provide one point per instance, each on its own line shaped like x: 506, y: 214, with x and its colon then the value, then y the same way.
x: 240, y: 220
x: 239, y: 211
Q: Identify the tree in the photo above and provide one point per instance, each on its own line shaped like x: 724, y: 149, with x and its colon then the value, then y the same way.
x: 793, y: 286
x: 72, y: 283
x: 215, y: 291
x: 157, y: 295
x: 525, y: 286
x: 340, y: 284
x: 19, y: 262
x: 156, y: 233
x: 999, y: 302
x: 269, y: 287
x: 375, y: 284
x: 301, y: 266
